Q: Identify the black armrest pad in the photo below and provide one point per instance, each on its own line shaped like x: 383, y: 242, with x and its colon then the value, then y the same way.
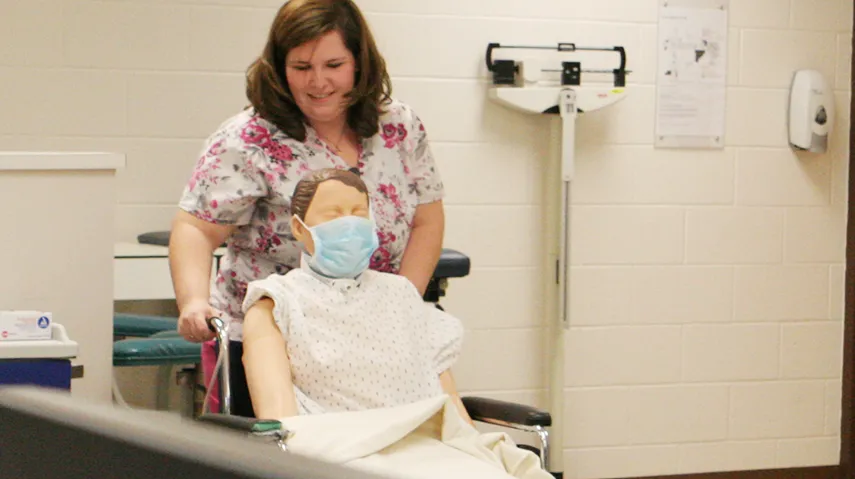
x: 519, y: 414
x: 157, y: 238
x: 451, y: 264
x: 240, y: 423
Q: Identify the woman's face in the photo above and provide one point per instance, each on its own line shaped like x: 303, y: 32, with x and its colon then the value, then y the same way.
x: 320, y: 73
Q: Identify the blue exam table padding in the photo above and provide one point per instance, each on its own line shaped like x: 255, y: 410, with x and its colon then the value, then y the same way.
x: 160, y: 349
x: 141, y: 325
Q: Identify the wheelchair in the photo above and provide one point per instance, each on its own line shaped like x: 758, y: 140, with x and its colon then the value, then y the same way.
x: 236, y: 410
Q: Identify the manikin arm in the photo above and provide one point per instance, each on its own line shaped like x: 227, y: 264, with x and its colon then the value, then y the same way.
x: 265, y: 359
x: 450, y: 388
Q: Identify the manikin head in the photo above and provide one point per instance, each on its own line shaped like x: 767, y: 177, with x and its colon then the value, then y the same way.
x: 331, y: 218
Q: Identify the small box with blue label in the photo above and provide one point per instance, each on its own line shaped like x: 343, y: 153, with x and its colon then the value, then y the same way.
x: 38, y: 362
x: 25, y: 325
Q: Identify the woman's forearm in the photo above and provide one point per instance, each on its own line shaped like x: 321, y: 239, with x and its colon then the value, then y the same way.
x: 190, y: 266
x: 424, y: 246
x: 265, y: 360
x: 191, y: 249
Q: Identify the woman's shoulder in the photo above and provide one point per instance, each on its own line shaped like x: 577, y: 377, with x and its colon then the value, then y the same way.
x: 397, y: 111
x: 231, y: 127
x: 247, y: 129
x: 400, y: 124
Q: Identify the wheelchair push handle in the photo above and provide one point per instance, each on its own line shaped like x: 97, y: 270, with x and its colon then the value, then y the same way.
x: 215, y: 324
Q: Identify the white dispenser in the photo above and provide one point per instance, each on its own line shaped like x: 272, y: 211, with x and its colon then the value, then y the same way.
x: 811, y: 112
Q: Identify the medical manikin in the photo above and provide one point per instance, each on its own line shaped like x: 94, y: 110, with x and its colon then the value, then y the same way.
x: 339, y: 352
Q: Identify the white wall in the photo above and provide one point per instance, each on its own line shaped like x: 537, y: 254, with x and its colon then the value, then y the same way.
x: 708, y: 286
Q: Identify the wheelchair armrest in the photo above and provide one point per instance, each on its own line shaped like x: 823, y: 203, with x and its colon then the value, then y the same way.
x: 451, y: 264
x: 158, y: 238
x: 242, y: 424
x: 505, y: 413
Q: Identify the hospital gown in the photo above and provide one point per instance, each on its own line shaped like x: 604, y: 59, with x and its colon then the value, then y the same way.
x: 357, y: 344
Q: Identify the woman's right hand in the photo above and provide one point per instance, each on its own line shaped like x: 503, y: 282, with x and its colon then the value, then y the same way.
x: 192, y: 242
x: 193, y: 321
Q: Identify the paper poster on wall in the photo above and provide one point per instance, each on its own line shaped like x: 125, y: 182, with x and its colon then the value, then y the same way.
x: 691, y: 81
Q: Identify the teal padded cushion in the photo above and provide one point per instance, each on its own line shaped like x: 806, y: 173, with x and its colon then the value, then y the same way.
x: 141, y: 325
x: 156, y: 351
x: 172, y: 333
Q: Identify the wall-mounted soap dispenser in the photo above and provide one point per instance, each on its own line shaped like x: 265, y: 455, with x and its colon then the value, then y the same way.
x: 811, y: 112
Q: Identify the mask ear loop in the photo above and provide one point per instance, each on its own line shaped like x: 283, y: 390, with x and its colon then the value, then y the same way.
x: 373, y: 220
x: 373, y: 217
x: 371, y: 213
x: 301, y: 221
x: 308, y: 230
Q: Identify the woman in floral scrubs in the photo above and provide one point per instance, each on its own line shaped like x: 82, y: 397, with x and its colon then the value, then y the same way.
x: 319, y: 99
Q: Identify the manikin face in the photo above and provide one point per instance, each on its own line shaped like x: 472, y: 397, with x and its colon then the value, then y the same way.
x: 333, y: 199
x: 320, y: 73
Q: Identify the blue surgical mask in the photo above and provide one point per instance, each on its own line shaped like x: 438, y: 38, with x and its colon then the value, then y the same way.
x: 343, y: 246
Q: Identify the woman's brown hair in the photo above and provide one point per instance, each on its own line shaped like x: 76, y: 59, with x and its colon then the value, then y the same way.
x: 300, y: 21
x: 305, y: 190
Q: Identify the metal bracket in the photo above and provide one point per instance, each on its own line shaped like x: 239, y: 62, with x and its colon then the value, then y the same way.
x: 278, y: 436
x: 568, y: 112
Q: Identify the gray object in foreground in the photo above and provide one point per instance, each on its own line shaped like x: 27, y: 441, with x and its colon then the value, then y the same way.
x: 47, y: 434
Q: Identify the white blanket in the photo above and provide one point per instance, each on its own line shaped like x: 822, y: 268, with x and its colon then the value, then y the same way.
x: 426, y: 439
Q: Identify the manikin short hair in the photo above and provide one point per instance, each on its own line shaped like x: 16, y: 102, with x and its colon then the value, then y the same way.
x: 305, y: 190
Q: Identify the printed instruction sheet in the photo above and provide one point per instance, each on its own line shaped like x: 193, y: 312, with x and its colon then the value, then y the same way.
x: 692, y: 74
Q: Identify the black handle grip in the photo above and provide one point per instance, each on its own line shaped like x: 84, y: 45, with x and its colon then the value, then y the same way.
x: 490, y: 48
x: 622, y: 53
x: 211, y: 325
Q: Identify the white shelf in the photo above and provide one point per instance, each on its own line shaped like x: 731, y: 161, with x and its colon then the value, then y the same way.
x: 60, y: 160
x: 58, y: 347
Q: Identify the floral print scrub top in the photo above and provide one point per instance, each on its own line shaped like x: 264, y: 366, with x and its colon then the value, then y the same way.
x: 249, y: 168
